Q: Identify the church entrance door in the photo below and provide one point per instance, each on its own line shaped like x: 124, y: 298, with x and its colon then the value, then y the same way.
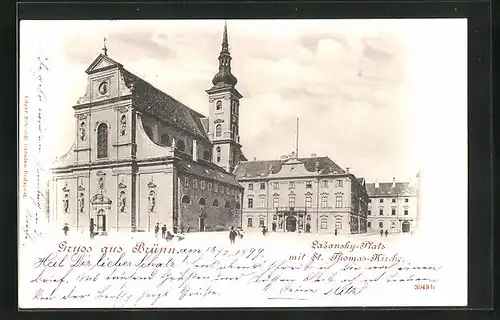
x: 291, y: 224
x: 202, y: 224
x: 101, y: 222
x: 405, y: 226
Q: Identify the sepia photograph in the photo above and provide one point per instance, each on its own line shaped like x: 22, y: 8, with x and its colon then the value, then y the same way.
x: 302, y: 163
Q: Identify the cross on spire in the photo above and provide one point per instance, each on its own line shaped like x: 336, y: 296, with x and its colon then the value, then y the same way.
x: 104, y: 49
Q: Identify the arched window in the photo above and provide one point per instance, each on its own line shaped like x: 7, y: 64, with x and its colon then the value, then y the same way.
x: 218, y: 130
x: 219, y: 154
x: 186, y: 200
x: 102, y: 140
x: 165, y: 139
x: 206, y: 155
x: 216, y: 203
x: 218, y: 105
x: 227, y: 205
x: 181, y: 145
x: 202, y: 202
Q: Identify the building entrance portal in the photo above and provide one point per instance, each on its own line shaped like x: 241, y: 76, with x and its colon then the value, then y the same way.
x: 101, y: 221
x: 405, y: 226
x: 291, y: 224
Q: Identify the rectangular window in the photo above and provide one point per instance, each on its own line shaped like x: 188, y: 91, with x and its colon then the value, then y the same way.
x: 261, y: 222
x: 291, y: 185
x: 324, y: 201
x: 291, y: 202
x: 393, y: 200
x: 250, y: 186
x: 250, y: 202
x: 381, y: 200
x: 249, y: 222
x: 339, y: 183
x: 227, y: 190
x: 262, y: 202
x: 381, y: 212
x: 406, y: 199
x: 195, y: 183
x: 393, y: 212
x: 276, y: 202
x: 338, y: 202
x: 406, y: 212
x: 338, y: 223
x: 210, y: 186
x: 216, y: 187
x: 381, y: 224
x: 369, y: 200
x: 202, y: 185
x: 276, y: 185
x: 308, y: 202
x: 369, y: 212
x: 369, y: 224
x: 186, y: 182
x: 393, y: 224
x: 325, y: 183
x: 324, y: 223
x: 262, y: 186
x: 309, y: 184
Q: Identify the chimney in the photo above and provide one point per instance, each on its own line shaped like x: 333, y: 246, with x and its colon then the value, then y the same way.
x: 313, y: 155
x: 254, y: 159
x: 195, y: 150
x: 393, y: 182
x: 376, y: 183
x: 347, y: 169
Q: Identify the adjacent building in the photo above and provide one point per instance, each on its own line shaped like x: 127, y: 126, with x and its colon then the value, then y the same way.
x: 392, y: 206
x: 312, y: 195
x: 142, y: 158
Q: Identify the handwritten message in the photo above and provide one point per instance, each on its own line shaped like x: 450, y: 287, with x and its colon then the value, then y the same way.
x: 154, y: 275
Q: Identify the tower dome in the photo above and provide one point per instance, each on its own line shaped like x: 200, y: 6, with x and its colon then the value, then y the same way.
x: 224, y: 77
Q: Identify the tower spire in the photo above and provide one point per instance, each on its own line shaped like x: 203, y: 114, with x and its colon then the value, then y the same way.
x: 224, y: 77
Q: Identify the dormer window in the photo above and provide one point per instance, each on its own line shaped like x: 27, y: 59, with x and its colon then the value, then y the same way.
x: 218, y: 105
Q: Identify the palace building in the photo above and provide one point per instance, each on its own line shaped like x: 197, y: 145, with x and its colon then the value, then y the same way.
x: 311, y: 195
x: 392, y: 206
x: 140, y: 157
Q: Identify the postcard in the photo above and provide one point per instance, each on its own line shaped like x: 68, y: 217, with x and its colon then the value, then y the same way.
x: 242, y: 163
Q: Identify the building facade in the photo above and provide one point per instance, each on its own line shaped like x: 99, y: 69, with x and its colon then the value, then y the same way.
x: 311, y: 195
x: 140, y: 157
x: 392, y: 206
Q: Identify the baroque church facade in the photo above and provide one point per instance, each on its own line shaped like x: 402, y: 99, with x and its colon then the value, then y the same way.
x: 140, y: 157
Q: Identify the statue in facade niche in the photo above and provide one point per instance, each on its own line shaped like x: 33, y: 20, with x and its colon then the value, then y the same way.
x: 122, y: 201
x: 66, y: 203
x: 152, y: 201
x: 101, y: 183
x: 80, y: 203
x: 123, y: 125
x: 82, y: 131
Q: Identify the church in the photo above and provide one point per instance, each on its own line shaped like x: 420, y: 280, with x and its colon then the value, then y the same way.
x: 142, y: 158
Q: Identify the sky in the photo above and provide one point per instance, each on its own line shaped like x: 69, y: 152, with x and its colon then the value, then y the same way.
x: 373, y: 95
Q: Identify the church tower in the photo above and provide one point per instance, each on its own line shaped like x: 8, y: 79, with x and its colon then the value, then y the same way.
x: 224, y: 99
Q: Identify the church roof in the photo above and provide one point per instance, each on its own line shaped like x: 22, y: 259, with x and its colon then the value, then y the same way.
x: 385, y: 189
x: 255, y: 169
x: 155, y: 102
x: 207, y: 170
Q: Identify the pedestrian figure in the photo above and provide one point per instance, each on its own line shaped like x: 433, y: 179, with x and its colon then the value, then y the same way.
x: 386, y: 232
x: 157, y: 230
x: 240, y: 233
x: 381, y: 232
x: 91, y: 228
x: 163, y: 231
x: 65, y: 229
x: 182, y: 229
x: 232, y: 235
x: 264, y: 230
x: 169, y: 236
x: 336, y: 231
x: 274, y: 226
x: 175, y: 229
